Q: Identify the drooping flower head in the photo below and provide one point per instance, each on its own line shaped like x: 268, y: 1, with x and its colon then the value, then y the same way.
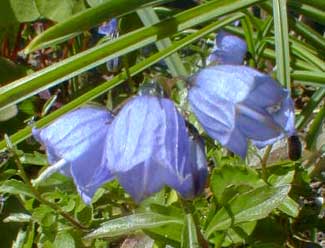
x: 148, y: 147
x: 237, y: 103
x: 228, y: 49
x: 111, y: 29
x: 78, y: 138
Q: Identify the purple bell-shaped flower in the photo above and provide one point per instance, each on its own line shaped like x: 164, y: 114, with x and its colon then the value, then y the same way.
x: 109, y: 28
x: 148, y: 147
x: 228, y: 49
x: 237, y: 103
x: 76, y: 142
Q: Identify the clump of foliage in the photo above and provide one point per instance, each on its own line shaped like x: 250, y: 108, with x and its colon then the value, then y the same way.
x: 66, y: 61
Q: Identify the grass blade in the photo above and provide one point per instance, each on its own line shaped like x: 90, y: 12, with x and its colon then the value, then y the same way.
x: 282, y: 51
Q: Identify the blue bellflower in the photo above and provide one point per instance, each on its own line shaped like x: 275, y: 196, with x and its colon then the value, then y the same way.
x: 236, y: 103
x: 228, y: 49
x: 110, y: 29
x: 78, y: 138
x: 148, y: 147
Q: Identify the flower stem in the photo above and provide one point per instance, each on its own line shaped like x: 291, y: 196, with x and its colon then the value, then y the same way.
x: 264, y: 161
x: 36, y: 194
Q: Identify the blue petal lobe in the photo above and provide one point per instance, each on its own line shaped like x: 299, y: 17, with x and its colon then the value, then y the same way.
x: 229, y: 49
x: 256, y: 124
x: 215, y: 114
x: 147, y: 147
x: 78, y: 137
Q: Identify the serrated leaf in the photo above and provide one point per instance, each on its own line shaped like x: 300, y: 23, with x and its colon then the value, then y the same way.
x: 64, y: 239
x: 228, y: 175
x: 253, y: 205
x: 15, y: 187
x: 131, y: 223
x: 85, y: 215
x: 44, y: 215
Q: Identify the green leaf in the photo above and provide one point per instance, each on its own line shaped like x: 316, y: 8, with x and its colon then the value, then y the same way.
x: 289, y: 207
x: 228, y: 175
x: 306, y: 113
x: 238, y: 234
x: 93, y: 3
x: 86, y: 60
x: 308, y: 33
x: 250, y: 206
x: 44, y: 215
x: 282, y: 179
x: 313, y: 13
x: 10, y: 71
x: 120, y: 78
x: 85, y: 214
x: 20, y: 239
x: 169, y: 234
x: 249, y: 33
x: 35, y: 158
x: 15, y: 187
x: 29, y: 241
x: 17, y: 217
x: 7, y: 16
x: 81, y: 21
x: 58, y: 10
x: 190, y: 239
x: 56, y: 73
x: 315, y: 3
x: 315, y: 129
x: 312, y: 78
x: 281, y: 34
x: 8, y: 113
x: 64, y: 239
x: 24, y: 10
x: 149, y: 17
x: 131, y: 223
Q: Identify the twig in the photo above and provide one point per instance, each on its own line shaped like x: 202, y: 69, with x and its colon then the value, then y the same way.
x: 37, y: 195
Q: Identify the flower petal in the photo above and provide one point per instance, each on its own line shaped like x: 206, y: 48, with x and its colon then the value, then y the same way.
x: 256, y: 124
x: 229, y: 49
x: 229, y: 82
x: 237, y: 143
x: 78, y: 137
x: 236, y: 103
x: 108, y: 28
x: 199, y: 165
x: 265, y: 92
x: 215, y: 114
x: 147, y: 146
